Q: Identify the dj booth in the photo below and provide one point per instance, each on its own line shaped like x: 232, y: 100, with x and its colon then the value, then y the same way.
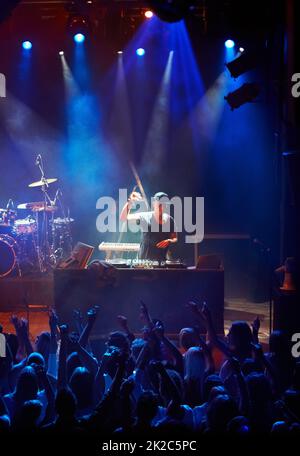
x: 164, y: 291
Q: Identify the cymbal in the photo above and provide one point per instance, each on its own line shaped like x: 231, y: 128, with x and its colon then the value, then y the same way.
x: 42, y: 182
x: 37, y: 206
x: 29, y: 206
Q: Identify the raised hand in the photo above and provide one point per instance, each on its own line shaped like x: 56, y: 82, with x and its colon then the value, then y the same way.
x: 64, y: 331
x: 24, y: 327
x: 15, y: 320
x: 53, y: 320
x: 92, y: 314
x: 205, y: 312
x: 256, y: 324
x: 135, y: 196
x: 144, y: 315
x: 159, y: 330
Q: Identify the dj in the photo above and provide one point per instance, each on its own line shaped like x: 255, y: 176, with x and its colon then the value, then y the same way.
x: 158, y: 227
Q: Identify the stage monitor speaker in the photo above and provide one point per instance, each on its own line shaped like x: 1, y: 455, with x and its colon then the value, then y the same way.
x: 79, y: 258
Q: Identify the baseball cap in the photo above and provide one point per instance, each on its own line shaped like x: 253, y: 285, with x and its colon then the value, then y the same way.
x: 160, y: 196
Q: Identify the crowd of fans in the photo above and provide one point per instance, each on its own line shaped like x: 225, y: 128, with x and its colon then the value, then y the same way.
x: 148, y: 384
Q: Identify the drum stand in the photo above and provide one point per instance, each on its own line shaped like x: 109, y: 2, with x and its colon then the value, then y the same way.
x: 44, y: 251
x: 66, y: 252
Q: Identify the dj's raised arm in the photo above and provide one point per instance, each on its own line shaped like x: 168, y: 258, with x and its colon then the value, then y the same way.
x: 125, y: 213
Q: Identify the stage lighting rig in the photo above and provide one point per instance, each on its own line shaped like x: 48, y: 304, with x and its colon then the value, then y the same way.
x: 148, y: 14
x: 247, y: 93
x: 245, y: 62
x: 171, y: 10
x: 79, y: 27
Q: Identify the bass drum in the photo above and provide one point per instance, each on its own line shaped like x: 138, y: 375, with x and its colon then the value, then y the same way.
x: 8, y: 255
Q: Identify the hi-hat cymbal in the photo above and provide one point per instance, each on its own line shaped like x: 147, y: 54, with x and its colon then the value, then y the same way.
x: 30, y: 206
x: 42, y: 182
x: 37, y: 206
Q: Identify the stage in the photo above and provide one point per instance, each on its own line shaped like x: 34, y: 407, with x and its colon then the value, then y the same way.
x: 40, y: 297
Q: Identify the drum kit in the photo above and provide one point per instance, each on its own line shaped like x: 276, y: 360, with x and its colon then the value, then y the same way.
x: 40, y: 241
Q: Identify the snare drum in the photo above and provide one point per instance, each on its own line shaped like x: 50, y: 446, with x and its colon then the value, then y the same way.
x: 24, y: 226
x: 8, y: 255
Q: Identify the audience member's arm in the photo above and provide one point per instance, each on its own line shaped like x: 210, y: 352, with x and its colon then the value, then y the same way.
x: 118, y: 378
x: 62, y: 360
x: 103, y: 414
x: 210, y: 364
x: 160, y: 334
x: 145, y: 315
x: 204, y: 316
x: 84, y: 337
x: 99, y: 383
x: 24, y: 331
x: 103, y: 410
x: 52, y: 360
x: 53, y: 322
x: 21, y: 353
x: 77, y: 318
x: 144, y: 356
x: 255, y: 329
x: 265, y: 364
x: 86, y: 358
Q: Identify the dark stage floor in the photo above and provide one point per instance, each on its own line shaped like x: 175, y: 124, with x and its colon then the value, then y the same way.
x: 39, y: 292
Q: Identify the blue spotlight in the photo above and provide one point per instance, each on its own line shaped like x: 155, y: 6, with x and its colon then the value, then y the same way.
x: 27, y: 45
x: 79, y: 38
x: 229, y: 44
x: 140, y: 52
